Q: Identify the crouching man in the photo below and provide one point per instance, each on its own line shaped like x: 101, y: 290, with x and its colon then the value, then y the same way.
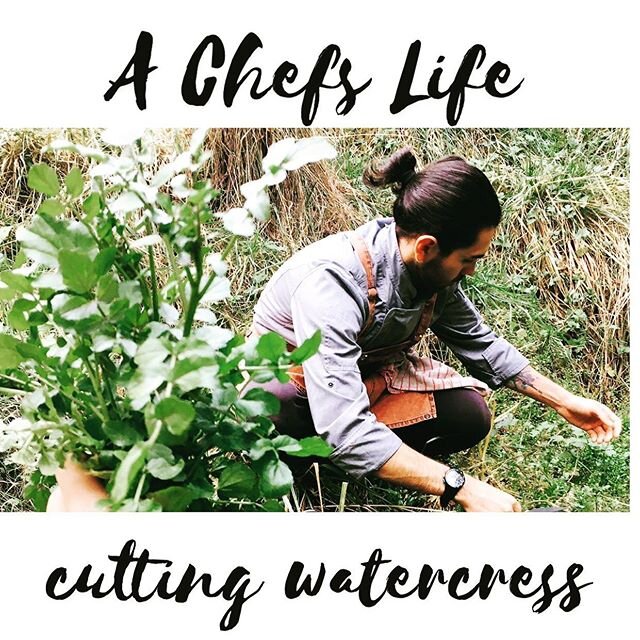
x: 373, y: 293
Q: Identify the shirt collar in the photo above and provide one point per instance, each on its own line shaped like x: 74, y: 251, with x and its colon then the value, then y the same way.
x: 399, y: 272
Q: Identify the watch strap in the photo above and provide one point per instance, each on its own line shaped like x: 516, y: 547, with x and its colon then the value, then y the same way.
x: 450, y: 491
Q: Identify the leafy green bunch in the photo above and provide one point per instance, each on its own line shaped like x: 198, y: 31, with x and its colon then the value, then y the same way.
x: 113, y: 345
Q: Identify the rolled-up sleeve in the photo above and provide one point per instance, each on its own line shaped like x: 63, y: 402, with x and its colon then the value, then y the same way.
x: 484, y: 354
x: 329, y: 300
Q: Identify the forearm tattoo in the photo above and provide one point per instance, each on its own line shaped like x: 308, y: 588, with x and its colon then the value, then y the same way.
x: 524, y: 382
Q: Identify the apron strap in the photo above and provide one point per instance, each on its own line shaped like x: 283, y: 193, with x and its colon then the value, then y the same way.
x: 364, y: 256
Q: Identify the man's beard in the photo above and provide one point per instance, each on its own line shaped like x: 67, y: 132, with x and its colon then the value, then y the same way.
x: 430, y: 278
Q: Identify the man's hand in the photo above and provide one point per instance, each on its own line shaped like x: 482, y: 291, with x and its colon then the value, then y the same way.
x: 411, y: 469
x: 476, y: 495
x: 76, y: 490
x: 600, y: 423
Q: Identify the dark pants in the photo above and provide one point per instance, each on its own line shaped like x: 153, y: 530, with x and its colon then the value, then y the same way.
x: 463, y: 420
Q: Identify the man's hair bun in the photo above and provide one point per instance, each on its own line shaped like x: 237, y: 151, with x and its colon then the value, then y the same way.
x: 398, y: 170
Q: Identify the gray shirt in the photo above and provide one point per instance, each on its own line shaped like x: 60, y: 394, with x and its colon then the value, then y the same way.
x: 324, y: 286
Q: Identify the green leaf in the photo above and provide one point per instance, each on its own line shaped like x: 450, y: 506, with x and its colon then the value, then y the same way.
x: 30, y: 351
x: 285, y: 443
x: 47, y: 236
x: 309, y: 347
x: 275, y: 478
x: 258, y: 402
x: 176, y: 414
x: 107, y: 289
x: 270, y: 404
x: 7, y: 293
x: 78, y: 271
x: 103, y: 343
x: 37, y: 491
x: 21, y: 257
x: 144, y: 382
x: 16, y: 281
x: 271, y: 346
x: 158, y: 450
x: 128, y: 471
x: 74, y: 308
x: 43, y: 178
x: 104, y: 260
x: 91, y: 206
x: 260, y: 447
x: 52, y: 207
x: 272, y: 506
x: 194, y: 373
x: 140, y: 506
x: 131, y: 291
x: 38, y: 318
x: 151, y: 354
x: 174, y: 498
x: 18, y: 316
x: 94, y: 427
x: 222, y: 398
x: 120, y: 433
x: 228, y: 437
x: 74, y: 182
x: 164, y: 470
x: 237, y: 481
x: 281, y: 375
x: 42, y: 241
x: 47, y: 463
x: 313, y: 446
x: 9, y: 356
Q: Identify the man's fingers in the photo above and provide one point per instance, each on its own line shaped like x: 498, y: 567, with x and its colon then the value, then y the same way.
x: 611, y: 421
x: 56, y: 500
x: 604, y: 425
x: 617, y: 426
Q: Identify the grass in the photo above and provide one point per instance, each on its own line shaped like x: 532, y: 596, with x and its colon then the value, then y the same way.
x: 556, y: 285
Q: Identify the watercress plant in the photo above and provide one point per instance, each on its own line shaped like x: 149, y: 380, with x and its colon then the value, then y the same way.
x: 113, y: 344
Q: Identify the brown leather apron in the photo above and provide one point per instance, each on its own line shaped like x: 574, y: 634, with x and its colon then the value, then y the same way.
x: 393, y: 409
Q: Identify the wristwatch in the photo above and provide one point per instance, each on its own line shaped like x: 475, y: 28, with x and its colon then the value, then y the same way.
x: 453, y: 482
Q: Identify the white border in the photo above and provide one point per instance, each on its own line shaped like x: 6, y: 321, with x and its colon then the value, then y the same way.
x: 577, y: 59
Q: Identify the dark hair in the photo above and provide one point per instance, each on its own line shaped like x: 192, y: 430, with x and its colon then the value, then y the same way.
x: 449, y: 199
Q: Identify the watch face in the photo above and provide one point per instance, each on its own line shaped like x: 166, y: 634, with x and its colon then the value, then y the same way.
x: 454, y: 478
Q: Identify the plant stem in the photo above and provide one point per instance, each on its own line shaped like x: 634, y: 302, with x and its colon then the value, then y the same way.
x: 195, y: 285
x: 343, y: 496
x: 152, y: 271
x: 136, y: 497
x: 191, y: 310
x: 157, y: 427
x: 195, y: 294
x: 229, y: 246
x: 8, y: 391
x: 95, y: 382
x: 175, y: 271
x: 15, y: 380
x: 107, y: 384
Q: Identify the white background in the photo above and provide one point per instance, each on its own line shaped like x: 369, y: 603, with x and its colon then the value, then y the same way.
x: 56, y: 60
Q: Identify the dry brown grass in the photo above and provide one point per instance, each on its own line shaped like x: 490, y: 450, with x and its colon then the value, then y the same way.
x: 310, y: 204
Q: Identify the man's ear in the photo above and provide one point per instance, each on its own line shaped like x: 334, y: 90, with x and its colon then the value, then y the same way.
x: 425, y: 249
